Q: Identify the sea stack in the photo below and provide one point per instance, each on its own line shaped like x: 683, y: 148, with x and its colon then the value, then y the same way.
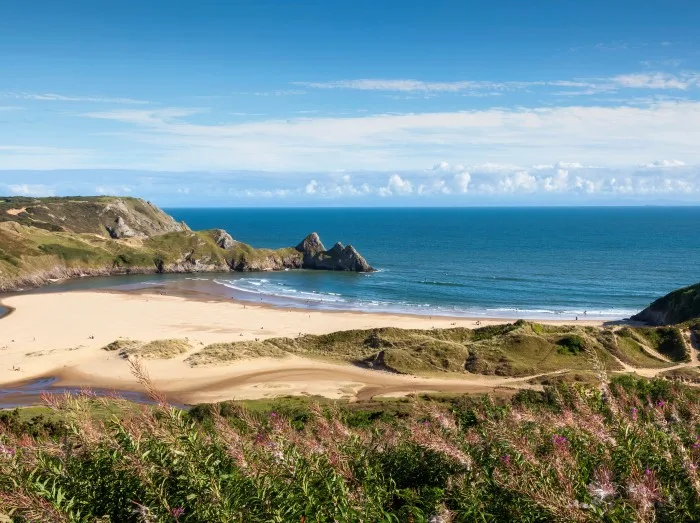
x: 337, y: 258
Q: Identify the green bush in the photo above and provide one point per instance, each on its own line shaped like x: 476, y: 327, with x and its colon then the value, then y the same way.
x: 571, y: 344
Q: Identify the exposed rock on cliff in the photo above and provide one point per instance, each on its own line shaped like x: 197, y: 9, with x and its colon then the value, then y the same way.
x: 223, y: 239
x: 337, y: 258
x: 120, y: 229
x: 676, y: 307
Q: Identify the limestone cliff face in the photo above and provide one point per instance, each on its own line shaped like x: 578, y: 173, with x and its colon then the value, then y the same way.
x: 43, y: 240
x: 676, y: 307
x: 337, y: 258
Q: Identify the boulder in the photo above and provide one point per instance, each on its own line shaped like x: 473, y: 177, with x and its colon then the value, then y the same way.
x: 120, y: 229
x: 223, y: 239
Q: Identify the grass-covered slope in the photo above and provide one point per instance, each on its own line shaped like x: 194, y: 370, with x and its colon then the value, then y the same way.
x: 89, y: 215
x: 676, y: 307
x: 518, y: 349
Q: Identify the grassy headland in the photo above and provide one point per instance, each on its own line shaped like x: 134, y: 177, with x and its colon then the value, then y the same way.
x: 43, y: 239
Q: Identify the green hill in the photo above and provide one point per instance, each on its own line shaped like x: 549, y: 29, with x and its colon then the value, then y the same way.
x: 676, y: 307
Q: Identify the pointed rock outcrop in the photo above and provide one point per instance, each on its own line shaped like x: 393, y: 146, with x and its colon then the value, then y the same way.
x: 311, y: 245
x: 223, y: 239
x: 120, y: 229
x: 337, y: 258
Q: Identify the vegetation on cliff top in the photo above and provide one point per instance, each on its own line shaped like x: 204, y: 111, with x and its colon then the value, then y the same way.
x: 676, y: 307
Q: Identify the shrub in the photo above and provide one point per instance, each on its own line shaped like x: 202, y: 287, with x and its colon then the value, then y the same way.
x: 571, y: 344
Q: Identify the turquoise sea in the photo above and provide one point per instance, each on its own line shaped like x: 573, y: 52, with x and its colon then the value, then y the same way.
x: 510, y: 262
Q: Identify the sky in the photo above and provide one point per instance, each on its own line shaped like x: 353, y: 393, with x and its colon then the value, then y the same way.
x: 318, y: 103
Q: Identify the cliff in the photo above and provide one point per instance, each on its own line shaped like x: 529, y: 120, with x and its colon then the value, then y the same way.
x: 45, y: 239
x: 676, y: 307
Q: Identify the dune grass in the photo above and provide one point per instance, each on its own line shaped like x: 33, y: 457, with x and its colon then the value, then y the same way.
x: 515, y: 349
x: 156, y: 349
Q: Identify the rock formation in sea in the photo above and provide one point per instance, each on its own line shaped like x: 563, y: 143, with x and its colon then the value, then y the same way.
x: 337, y: 258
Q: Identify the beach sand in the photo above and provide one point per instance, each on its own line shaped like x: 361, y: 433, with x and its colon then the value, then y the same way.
x: 61, y: 335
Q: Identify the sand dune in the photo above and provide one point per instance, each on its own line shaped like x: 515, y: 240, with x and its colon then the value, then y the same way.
x: 61, y: 334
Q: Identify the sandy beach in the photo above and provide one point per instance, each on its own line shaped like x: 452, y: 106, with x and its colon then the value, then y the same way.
x: 61, y: 335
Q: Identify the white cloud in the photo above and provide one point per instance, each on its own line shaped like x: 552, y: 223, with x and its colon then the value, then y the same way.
x: 461, y: 182
x: 31, y: 190
x: 594, y: 135
x: 663, y: 163
x: 152, y: 117
x: 117, y: 190
x: 443, y: 185
x: 558, y: 182
x: 367, y: 84
x: 53, y: 97
x: 581, y: 87
x: 657, y: 81
x: 311, y: 187
x: 398, y: 185
x: 520, y: 181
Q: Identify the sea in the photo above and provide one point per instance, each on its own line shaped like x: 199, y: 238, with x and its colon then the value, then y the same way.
x: 535, y: 263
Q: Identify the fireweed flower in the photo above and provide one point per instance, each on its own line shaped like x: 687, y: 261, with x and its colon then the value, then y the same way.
x: 177, y: 512
x: 559, y: 441
x: 506, y: 459
x: 6, y: 452
x: 634, y: 413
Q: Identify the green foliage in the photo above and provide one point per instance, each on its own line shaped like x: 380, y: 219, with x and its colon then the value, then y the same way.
x: 571, y: 344
x: 667, y: 341
x: 626, y: 453
x: 36, y: 426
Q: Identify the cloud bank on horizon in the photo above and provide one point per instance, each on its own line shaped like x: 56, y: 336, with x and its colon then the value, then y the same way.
x: 441, y: 119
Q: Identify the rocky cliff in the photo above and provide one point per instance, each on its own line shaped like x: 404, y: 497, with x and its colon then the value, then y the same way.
x: 42, y: 240
x: 676, y: 307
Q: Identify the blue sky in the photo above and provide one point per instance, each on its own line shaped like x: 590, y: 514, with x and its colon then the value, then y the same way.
x: 352, y: 103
